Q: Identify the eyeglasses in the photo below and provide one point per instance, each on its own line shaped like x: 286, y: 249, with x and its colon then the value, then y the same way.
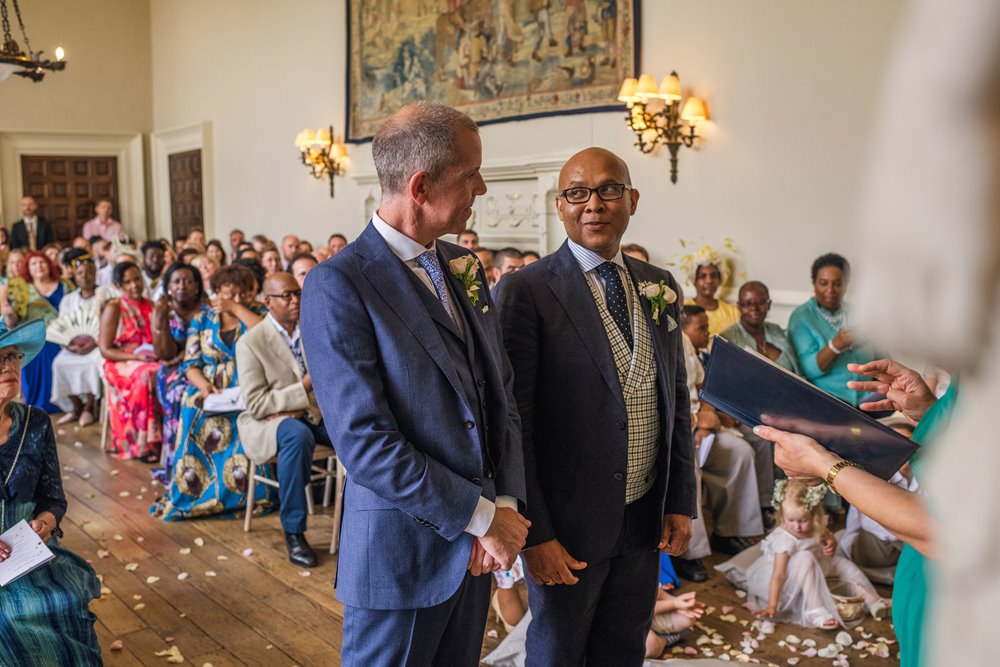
x: 607, y: 192
x: 287, y: 296
x: 754, y: 304
x: 11, y: 359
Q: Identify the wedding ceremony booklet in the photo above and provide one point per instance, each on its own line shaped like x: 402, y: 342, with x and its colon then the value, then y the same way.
x: 753, y: 389
x: 226, y: 400
x: 27, y: 551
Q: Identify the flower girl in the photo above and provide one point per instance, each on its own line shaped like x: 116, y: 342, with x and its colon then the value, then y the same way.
x: 788, y: 582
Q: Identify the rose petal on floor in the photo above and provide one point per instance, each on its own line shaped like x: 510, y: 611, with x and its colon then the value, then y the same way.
x: 131, y: 567
x: 152, y: 580
x: 199, y: 542
x: 183, y: 575
x: 210, y: 573
x: 116, y: 645
x: 248, y: 552
x: 185, y: 551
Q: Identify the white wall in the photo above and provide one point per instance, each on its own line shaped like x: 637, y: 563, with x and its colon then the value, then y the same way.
x: 790, y: 85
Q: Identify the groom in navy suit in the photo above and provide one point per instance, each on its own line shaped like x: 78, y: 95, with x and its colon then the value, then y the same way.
x: 602, y: 392
x: 416, y: 390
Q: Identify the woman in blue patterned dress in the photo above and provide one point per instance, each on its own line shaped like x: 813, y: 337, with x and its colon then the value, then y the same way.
x: 210, y: 470
x: 43, y: 614
x: 183, y: 298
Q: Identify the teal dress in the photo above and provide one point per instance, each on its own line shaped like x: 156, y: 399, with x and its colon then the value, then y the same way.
x: 810, y: 329
x: 909, y: 592
x: 45, y: 613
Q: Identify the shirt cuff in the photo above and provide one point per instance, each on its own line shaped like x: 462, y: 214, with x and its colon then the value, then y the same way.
x: 482, y: 518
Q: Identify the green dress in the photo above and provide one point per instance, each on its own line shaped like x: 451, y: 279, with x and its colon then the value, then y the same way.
x: 910, y: 589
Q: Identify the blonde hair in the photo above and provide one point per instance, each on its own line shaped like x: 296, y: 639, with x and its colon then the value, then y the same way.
x: 803, y: 496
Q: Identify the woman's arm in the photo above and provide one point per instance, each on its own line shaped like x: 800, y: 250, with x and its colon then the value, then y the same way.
x: 109, y: 327
x: 50, y: 500
x: 246, y: 316
x: 163, y: 343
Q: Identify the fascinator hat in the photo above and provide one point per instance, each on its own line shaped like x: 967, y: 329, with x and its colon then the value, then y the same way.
x: 28, y: 338
x: 704, y: 255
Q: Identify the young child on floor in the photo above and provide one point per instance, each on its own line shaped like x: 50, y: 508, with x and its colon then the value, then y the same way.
x: 788, y: 582
x: 672, y: 615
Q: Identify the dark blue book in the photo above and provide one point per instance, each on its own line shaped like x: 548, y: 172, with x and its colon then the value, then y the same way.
x: 754, y: 390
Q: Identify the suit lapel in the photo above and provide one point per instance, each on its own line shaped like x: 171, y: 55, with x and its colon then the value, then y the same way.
x: 569, y: 286
x: 388, y: 277
x: 279, y: 348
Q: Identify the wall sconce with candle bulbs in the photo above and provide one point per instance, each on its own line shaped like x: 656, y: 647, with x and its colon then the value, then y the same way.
x: 323, y: 153
x: 26, y: 63
x: 657, y: 116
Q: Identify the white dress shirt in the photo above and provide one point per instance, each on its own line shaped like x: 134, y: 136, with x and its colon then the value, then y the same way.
x: 407, y: 250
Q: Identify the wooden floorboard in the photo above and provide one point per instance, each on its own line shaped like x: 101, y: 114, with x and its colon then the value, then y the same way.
x: 258, y: 609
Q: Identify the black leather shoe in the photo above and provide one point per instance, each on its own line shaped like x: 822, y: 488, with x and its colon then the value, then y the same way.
x: 729, y: 545
x: 299, y: 551
x: 692, y: 569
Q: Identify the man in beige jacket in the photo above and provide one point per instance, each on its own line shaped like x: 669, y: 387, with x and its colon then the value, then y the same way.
x: 281, y: 415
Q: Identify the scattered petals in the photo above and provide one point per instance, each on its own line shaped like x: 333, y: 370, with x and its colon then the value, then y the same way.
x: 792, y: 639
x: 248, y: 552
x: 140, y: 539
x: 132, y: 567
x: 78, y: 444
x: 741, y: 594
x: 103, y: 553
x: 118, y: 537
x: 210, y: 573
x: 116, y: 645
x: 137, y: 597
x: 305, y: 573
x: 139, y: 607
x: 199, y: 542
x: 152, y: 580
x: 727, y: 609
x: 185, y: 551
x: 183, y: 575
x: 690, y: 650
x: 728, y: 618
x: 844, y: 638
x: 221, y: 557
x: 492, y: 634
x: 124, y: 494
x: 173, y: 655
x: 793, y: 661
x: 114, y: 472
x: 168, y: 639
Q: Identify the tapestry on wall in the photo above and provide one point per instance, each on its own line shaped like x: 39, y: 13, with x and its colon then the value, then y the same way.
x: 495, y: 60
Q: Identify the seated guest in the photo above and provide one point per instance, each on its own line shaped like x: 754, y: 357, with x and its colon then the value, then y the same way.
x: 320, y: 253
x: 196, y: 239
x: 770, y: 340
x: 152, y: 268
x: 304, y: 246
x: 301, y: 265
x: 530, y: 257
x: 820, y: 330
x: 260, y: 242
x: 709, y: 271
x: 172, y: 314
x: 236, y: 238
x: 485, y: 256
x: 247, y: 251
x: 210, y: 470
x: 15, y: 260
x: 270, y: 259
x: 258, y: 273
x: 39, y: 284
x: 215, y: 250
x: 206, y: 268
x: 76, y: 370
x: 289, y: 249
x: 636, y: 251
x: 130, y: 368
x: 728, y: 473
x: 507, y: 260
x: 46, y: 620
x: 336, y: 243
x: 281, y: 415
x: 179, y: 242
x: 468, y: 238
x: 187, y: 254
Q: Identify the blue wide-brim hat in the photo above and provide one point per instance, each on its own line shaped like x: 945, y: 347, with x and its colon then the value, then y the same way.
x: 28, y: 337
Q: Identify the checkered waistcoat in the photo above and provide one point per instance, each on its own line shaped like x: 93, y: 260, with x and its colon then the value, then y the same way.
x: 637, y: 375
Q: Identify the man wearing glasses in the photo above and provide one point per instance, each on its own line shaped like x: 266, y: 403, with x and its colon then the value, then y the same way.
x: 281, y: 415
x: 600, y: 383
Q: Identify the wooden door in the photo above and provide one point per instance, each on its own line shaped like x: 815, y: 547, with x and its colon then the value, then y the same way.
x: 67, y: 188
x: 185, y: 192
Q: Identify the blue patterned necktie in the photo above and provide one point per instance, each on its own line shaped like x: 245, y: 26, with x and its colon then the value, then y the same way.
x: 617, y: 303
x: 428, y: 261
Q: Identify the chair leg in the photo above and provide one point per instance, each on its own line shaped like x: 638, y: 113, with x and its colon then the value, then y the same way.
x: 105, y: 418
x: 251, y: 483
x: 338, y: 508
x: 328, y: 482
x: 309, y: 497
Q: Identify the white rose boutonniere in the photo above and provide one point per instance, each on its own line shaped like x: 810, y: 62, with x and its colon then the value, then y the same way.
x: 465, y: 268
x: 658, y: 295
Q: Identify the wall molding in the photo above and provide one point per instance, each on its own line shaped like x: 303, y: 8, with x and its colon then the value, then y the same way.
x: 163, y: 144
x: 127, y: 147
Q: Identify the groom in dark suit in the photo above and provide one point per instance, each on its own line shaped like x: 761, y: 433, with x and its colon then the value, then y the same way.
x: 30, y: 232
x: 601, y: 389
x: 415, y: 387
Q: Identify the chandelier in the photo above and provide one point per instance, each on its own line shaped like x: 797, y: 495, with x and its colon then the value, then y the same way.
x: 323, y: 153
x: 657, y: 117
x: 13, y: 60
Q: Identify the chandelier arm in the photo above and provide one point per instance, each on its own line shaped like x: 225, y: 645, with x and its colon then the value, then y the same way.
x: 20, y: 22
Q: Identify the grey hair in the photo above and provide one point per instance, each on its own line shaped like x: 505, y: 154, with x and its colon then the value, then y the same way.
x: 418, y: 137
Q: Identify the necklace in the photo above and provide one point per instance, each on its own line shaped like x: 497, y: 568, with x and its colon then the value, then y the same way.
x: 13, y: 465
x: 836, y: 320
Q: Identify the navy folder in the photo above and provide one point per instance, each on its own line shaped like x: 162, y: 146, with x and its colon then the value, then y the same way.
x: 754, y: 390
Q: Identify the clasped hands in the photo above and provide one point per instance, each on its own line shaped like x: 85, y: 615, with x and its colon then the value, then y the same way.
x: 503, y: 541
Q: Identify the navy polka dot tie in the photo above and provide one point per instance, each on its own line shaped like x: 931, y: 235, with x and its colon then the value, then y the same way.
x: 614, y: 293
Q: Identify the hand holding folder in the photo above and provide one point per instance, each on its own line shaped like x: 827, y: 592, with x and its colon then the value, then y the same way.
x: 756, y: 391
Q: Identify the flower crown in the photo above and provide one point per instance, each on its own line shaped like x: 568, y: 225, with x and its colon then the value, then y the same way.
x: 704, y: 255
x: 814, y: 495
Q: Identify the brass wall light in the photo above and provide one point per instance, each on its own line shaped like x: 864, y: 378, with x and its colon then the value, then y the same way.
x: 657, y: 117
x: 323, y: 153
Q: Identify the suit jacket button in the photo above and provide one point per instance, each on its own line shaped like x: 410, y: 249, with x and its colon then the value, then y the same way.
x: 477, y: 481
x: 621, y: 424
x: 470, y: 425
x: 618, y: 476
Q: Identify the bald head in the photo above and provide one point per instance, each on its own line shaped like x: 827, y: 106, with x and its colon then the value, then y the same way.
x: 588, y: 160
x: 277, y: 286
